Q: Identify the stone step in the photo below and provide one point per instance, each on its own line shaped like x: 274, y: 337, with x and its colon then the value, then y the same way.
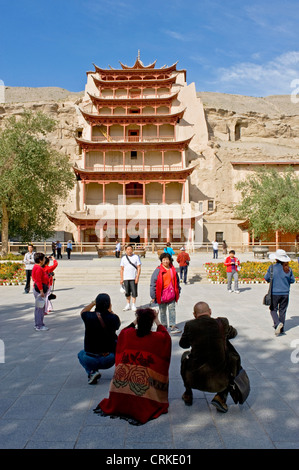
x: 110, y: 276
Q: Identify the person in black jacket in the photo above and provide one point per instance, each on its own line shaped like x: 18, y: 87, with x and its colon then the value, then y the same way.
x: 100, y: 337
x: 206, y: 366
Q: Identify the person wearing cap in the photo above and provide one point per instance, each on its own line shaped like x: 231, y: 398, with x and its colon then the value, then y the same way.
x: 283, y: 277
x: 183, y: 259
x: 100, y: 337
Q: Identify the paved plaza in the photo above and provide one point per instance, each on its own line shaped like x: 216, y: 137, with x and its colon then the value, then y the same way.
x: 46, y: 402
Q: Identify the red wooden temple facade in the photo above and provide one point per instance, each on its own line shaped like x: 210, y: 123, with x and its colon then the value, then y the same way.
x: 132, y: 178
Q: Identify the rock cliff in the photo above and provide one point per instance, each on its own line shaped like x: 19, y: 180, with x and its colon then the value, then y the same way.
x: 240, y: 128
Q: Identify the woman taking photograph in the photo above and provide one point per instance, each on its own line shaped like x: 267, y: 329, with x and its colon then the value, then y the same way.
x: 165, y: 290
x: 139, y: 388
x: 100, y: 337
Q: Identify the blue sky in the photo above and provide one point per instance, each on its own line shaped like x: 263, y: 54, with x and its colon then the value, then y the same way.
x: 228, y: 46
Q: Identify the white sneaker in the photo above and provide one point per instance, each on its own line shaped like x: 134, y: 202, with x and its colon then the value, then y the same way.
x: 237, y: 292
x: 230, y: 291
x: 174, y: 329
x: 41, y: 328
x: 134, y: 308
x: 127, y: 307
x: 278, y: 329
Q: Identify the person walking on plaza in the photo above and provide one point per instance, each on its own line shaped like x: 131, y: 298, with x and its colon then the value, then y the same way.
x: 58, y: 248
x: 139, y: 388
x: 169, y: 249
x: 283, y: 277
x: 41, y: 286
x: 69, y: 248
x: 205, y: 367
x: 130, y: 269
x: 215, y: 249
x: 29, y: 263
x: 183, y: 259
x: 100, y: 337
x: 117, y: 249
x: 165, y: 290
x: 232, y: 266
x: 224, y: 247
x: 53, y: 249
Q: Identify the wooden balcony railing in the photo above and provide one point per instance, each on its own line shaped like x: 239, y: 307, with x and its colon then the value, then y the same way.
x: 131, y: 138
x: 125, y: 96
x: 134, y: 168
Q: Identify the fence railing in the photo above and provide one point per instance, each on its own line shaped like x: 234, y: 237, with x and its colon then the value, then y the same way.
x: 152, y: 246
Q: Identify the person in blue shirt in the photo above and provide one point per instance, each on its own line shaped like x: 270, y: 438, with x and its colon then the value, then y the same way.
x: 283, y: 277
x: 168, y: 249
x: 69, y: 248
x: 58, y: 248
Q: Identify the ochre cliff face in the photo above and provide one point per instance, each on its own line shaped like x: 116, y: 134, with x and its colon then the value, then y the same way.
x: 60, y: 105
x: 240, y: 129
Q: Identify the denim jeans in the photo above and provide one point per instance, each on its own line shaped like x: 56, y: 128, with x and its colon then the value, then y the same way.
x: 183, y: 273
x: 171, y: 313
x: 92, y: 364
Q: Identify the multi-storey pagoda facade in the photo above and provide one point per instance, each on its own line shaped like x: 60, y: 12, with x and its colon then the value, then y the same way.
x: 133, y: 174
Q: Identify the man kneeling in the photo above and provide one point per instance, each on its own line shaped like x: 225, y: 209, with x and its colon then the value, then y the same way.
x: 206, y: 367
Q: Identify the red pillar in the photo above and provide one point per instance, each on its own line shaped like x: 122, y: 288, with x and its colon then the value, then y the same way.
x: 163, y: 195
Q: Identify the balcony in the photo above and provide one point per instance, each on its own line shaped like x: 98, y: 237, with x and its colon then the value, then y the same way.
x: 135, y: 168
x: 135, y: 96
x: 132, y: 138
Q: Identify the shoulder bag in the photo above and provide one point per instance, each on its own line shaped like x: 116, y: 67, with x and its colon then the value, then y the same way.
x: 239, y: 384
x: 131, y: 262
x: 168, y: 294
x: 268, y: 297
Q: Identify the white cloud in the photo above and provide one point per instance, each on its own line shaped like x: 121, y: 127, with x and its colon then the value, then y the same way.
x: 179, y: 36
x: 272, y: 77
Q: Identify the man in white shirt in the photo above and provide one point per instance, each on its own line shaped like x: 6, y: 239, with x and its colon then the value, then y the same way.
x: 29, y: 263
x: 130, y: 268
x: 215, y: 249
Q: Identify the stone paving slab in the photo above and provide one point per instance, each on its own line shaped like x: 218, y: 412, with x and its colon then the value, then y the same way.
x: 46, y: 402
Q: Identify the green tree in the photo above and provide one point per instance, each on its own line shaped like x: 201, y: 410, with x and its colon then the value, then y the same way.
x: 33, y: 178
x: 270, y: 202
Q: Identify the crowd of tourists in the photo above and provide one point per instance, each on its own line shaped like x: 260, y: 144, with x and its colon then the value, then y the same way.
x: 141, y: 352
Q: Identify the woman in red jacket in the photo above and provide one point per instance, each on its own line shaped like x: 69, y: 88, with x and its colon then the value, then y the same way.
x: 165, y: 290
x: 232, y: 266
x: 41, y: 286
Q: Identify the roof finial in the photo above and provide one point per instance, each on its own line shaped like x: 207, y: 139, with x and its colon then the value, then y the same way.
x: 138, y: 54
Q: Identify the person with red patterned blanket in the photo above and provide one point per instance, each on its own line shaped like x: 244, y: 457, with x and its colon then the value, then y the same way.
x: 139, y: 388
